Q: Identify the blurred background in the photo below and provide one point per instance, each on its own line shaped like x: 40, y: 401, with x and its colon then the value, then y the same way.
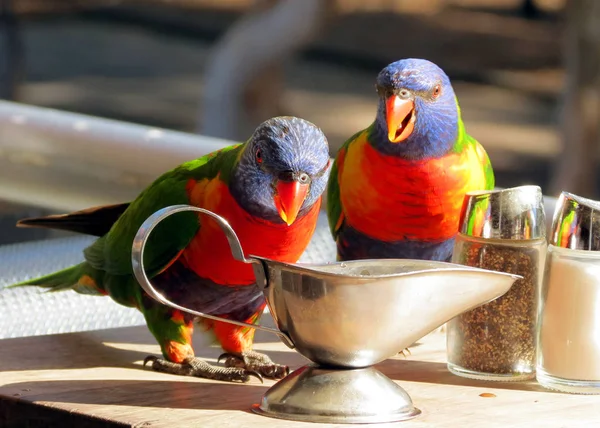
x: 525, y: 71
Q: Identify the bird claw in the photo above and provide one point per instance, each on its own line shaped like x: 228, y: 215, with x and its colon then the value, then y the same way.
x: 255, y: 362
x: 150, y: 358
x: 255, y: 374
x: 199, y: 368
x: 226, y: 355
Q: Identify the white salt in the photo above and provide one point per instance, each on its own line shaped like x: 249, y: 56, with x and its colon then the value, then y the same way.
x: 570, y: 322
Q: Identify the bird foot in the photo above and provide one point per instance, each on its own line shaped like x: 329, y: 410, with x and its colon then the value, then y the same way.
x: 256, y: 362
x: 200, y: 368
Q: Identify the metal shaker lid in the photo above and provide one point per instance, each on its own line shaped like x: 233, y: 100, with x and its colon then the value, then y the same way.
x: 576, y: 223
x: 514, y: 213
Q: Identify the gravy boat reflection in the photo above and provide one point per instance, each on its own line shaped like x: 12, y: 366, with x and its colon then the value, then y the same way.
x: 344, y: 316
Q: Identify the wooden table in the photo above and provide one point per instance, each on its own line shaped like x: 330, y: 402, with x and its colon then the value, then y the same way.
x: 96, y: 379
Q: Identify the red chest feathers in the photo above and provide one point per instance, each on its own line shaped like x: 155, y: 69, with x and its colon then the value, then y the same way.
x: 393, y: 199
x: 209, y: 255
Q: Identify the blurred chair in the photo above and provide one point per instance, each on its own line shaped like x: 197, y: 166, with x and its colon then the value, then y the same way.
x: 244, y: 77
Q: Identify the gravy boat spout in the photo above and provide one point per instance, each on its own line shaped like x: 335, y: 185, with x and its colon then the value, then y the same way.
x: 349, y: 314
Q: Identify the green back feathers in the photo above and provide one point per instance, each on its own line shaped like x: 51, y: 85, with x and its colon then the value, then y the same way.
x: 112, y: 252
x: 218, y: 162
x: 462, y: 138
x: 490, y: 180
x: 334, y: 204
x: 108, y: 260
x: 465, y: 141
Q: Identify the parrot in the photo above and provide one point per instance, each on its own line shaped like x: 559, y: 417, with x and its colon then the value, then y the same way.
x: 396, y: 188
x: 268, y: 188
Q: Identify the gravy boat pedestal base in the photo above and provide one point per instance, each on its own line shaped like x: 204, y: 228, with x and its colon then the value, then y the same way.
x: 324, y: 395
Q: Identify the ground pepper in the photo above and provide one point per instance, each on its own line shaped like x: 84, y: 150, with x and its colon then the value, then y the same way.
x: 501, y: 230
x: 498, y: 338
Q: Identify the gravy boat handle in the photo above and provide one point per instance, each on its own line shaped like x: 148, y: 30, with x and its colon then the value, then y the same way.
x: 137, y: 261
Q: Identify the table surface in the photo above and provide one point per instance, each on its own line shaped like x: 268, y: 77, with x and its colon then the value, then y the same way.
x: 96, y: 379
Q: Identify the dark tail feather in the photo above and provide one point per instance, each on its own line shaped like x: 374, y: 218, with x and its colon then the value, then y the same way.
x: 95, y: 221
x: 82, y: 278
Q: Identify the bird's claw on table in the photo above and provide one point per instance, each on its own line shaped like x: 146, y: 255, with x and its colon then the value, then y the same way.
x: 199, y: 368
x: 251, y: 360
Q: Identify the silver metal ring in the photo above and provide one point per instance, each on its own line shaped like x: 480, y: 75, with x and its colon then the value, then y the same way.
x: 514, y: 213
x: 576, y: 223
x: 137, y: 261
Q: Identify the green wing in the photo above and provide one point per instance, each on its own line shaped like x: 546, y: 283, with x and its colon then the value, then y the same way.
x: 335, y: 213
x: 488, y: 171
x: 483, y: 160
x: 464, y: 141
x: 112, y: 252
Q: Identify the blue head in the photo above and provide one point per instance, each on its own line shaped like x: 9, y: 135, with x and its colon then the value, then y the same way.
x: 283, y: 169
x: 417, y: 116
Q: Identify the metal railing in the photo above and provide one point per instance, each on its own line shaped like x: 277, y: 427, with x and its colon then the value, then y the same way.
x: 65, y: 161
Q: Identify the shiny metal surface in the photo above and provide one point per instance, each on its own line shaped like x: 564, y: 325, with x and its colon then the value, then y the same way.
x: 576, y: 223
x: 315, y: 394
x: 350, y: 314
x: 68, y: 161
x: 513, y: 213
x: 359, y: 313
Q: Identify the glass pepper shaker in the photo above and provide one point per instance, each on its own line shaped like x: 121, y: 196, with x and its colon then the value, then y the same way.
x: 501, y: 230
x: 569, y: 323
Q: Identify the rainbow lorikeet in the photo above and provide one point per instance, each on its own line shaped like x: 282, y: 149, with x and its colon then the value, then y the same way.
x: 396, y: 188
x: 269, y: 189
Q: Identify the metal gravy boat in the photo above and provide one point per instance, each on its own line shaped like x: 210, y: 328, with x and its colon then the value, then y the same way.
x: 345, y: 317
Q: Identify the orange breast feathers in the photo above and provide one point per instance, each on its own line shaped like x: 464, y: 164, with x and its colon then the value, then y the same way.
x: 209, y: 256
x: 392, y: 199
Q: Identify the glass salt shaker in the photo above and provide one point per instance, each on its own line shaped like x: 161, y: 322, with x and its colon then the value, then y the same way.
x: 501, y: 230
x: 569, y: 321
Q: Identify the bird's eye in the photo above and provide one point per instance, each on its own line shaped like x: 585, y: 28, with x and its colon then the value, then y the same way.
x: 404, y: 93
x: 437, y: 90
x: 304, y: 178
x: 259, y: 156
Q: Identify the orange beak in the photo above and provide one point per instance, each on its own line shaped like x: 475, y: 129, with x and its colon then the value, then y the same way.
x: 289, y: 199
x: 400, y: 118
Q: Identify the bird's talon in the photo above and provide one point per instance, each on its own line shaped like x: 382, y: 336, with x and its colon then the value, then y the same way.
x: 224, y: 355
x: 149, y: 358
x: 255, y: 374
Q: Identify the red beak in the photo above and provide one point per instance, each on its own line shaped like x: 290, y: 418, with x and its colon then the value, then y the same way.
x: 400, y: 118
x: 289, y: 198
